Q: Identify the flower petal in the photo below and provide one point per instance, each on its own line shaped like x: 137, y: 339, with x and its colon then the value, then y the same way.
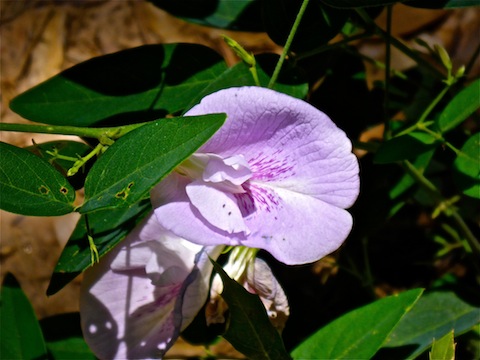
x: 176, y: 213
x: 129, y: 312
x: 287, y: 142
x: 234, y: 169
x: 295, y: 228
x: 219, y: 208
x: 261, y: 281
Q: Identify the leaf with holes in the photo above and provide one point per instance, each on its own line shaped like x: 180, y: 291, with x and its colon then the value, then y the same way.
x: 31, y: 186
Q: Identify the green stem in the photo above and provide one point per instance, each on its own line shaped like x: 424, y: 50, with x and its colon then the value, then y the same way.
x: 445, y: 206
x: 253, y: 71
x: 434, y: 103
x: 427, y: 111
x: 286, y: 48
x: 387, y: 133
x: 95, y: 133
x: 82, y: 161
x: 399, y: 45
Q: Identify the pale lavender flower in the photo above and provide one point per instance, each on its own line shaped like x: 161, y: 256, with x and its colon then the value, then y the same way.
x: 278, y: 176
x: 135, y: 302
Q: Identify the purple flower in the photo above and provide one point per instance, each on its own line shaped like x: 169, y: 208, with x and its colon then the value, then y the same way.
x: 277, y: 176
x: 135, y: 302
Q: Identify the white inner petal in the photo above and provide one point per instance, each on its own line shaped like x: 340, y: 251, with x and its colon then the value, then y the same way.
x: 234, y: 169
x: 218, y: 207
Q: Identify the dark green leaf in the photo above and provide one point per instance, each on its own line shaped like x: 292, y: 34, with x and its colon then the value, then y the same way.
x: 225, y: 14
x: 360, y: 333
x: 31, y: 186
x: 107, y: 227
x: 405, y: 147
x: 319, y: 24
x: 358, y: 3
x: 20, y: 334
x: 460, y: 108
x: 434, y: 315
x: 290, y: 82
x: 442, y: 4
x: 444, y: 348
x: 72, y: 149
x: 140, y: 159
x: 467, y: 167
x: 64, y: 337
x: 249, y: 329
x: 134, y: 85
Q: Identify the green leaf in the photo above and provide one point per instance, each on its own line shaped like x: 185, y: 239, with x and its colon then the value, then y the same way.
x: 19, y: 331
x: 225, y: 14
x: 434, y: 315
x: 467, y: 167
x: 291, y: 81
x: 64, y: 148
x: 461, y: 107
x: 360, y: 333
x: 31, y: 186
x: 404, y: 147
x: 249, y: 329
x: 136, y: 162
x: 134, y: 85
x: 442, y: 4
x: 64, y: 337
x: 358, y: 3
x: 107, y: 227
x: 443, y: 349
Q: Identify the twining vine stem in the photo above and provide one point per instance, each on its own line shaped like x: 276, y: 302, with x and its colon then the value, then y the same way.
x: 286, y: 48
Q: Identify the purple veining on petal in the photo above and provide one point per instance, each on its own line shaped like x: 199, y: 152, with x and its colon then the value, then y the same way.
x: 246, y: 202
x: 256, y: 198
x: 271, y: 167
